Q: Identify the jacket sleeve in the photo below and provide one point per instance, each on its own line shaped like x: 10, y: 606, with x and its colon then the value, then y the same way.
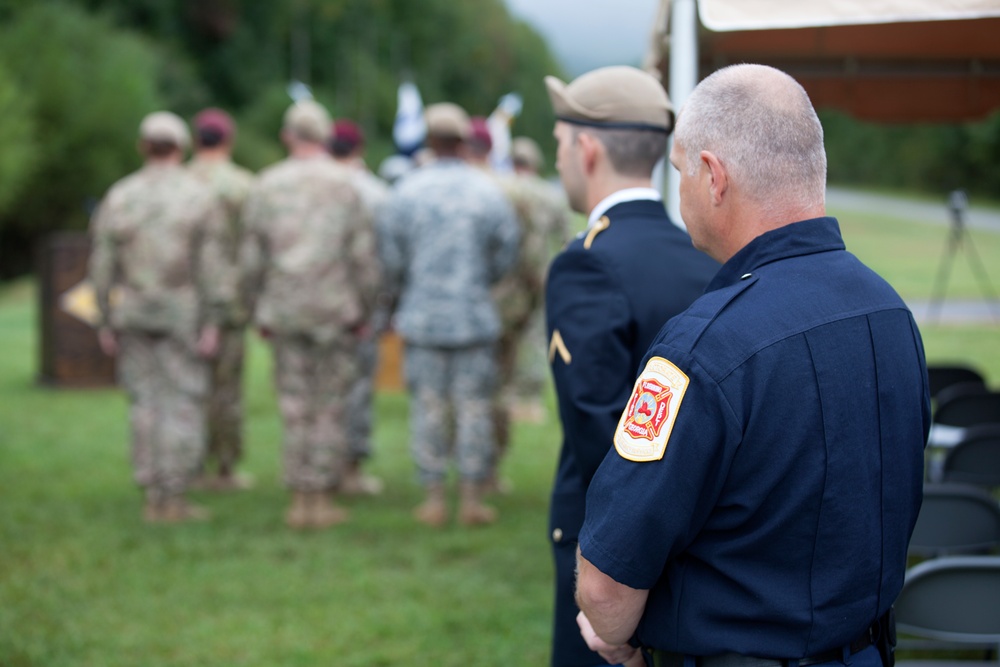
x: 590, y: 343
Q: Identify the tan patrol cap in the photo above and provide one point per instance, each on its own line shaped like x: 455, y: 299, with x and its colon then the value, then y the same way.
x: 616, y: 97
x: 524, y: 150
x: 309, y: 120
x: 445, y: 119
x: 165, y: 127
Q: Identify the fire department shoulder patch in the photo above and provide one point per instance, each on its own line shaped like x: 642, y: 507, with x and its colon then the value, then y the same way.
x: 645, y: 425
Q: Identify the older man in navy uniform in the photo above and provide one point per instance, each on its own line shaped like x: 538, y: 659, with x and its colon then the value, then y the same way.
x: 766, y: 474
x: 608, y: 293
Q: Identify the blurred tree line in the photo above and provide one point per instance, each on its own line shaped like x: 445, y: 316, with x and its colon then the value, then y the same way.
x: 77, y: 76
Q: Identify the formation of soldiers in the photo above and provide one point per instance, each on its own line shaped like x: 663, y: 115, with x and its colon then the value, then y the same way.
x: 322, y: 258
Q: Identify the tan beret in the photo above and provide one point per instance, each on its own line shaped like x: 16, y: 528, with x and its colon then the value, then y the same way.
x: 165, y: 127
x: 524, y: 150
x: 614, y: 97
x: 447, y: 120
x: 309, y: 120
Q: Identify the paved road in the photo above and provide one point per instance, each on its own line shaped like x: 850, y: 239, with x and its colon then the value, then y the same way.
x: 851, y: 200
x: 950, y: 310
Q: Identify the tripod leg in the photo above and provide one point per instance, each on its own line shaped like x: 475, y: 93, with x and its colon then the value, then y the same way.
x: 944, y: 268
x: 980, y: 271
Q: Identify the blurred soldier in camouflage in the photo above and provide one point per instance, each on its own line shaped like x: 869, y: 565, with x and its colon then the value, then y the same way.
x: 310, y: 257
x: 518, y: 296
x: 449, y: 235
x: 212, y: 165
x: 347, y: 145
x: 163, y: 287
x: 543, y: 215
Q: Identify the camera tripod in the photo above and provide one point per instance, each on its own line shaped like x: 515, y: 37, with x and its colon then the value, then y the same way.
x: 958, y: 238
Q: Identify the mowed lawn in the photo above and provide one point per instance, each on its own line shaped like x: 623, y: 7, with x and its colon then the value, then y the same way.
x: 83, y: 581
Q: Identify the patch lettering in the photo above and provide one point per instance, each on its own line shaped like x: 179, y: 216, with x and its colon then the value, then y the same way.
x: 645, y: 425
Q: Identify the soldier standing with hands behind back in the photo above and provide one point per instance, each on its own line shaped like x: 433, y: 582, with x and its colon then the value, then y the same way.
x: 449, y: 235
x: 311, y: 260
x: 212, y: 165
x: 163, y: 286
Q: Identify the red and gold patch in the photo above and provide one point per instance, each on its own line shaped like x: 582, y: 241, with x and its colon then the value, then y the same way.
x: 644, y: 428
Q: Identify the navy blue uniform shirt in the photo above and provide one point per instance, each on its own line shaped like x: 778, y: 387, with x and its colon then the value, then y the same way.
x: 790, y: 406
x: 604, y: 305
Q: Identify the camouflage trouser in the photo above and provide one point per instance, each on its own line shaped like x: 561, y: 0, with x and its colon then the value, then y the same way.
x: 507, y: 348
x: 167, y: 384
x: 312, y: 381
x: 359, y: 402
x: 225, y: 403
x: 456, y: 382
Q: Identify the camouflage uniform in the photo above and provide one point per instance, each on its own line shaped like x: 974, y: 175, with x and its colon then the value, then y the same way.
x: 310, y: 256
x: 449, y: 235
x: 542, y: 216
x: 159, y: 268
x: 225, y: 406
x: 374, y: 192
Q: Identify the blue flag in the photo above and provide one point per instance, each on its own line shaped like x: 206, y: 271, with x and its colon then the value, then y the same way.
x: 409, y: 130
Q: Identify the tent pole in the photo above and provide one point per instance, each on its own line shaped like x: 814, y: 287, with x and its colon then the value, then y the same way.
x: 683, y: 78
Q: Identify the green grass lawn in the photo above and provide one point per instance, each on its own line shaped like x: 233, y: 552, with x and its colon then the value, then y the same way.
x: 84, y: 582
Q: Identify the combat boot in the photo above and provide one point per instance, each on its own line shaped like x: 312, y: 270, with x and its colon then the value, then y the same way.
x: 177, y: 509
x: 471, y: 510
x: 298, y: 512
x: 323, y: 513
x: 357, y: 483
x: 152, y: 510
x: 434, y: 510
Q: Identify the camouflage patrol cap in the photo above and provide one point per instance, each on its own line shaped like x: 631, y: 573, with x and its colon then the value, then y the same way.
x: 165, y: 127
x: 616, y: 97
x: 524, y: 150
x: 309, y: 120
x: 448, y: 120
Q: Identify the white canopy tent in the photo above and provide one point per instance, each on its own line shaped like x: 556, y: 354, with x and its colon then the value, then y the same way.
x: 886, y: 60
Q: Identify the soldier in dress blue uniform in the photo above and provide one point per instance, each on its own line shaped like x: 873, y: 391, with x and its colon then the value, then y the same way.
x: 766, y: 474
x: 608, y: 293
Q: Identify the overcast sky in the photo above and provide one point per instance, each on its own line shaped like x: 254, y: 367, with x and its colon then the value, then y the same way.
x: 584, y: 35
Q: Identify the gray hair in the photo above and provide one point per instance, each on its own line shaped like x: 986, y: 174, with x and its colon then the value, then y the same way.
x: 761, y: 125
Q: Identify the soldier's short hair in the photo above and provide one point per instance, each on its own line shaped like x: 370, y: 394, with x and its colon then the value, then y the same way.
x: 631, y: 152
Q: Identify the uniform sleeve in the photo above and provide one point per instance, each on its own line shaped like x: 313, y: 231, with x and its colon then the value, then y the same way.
x: 363, y: 256
x: 640, y: 514
x: 217, y: 270
x: 389, y: 224
x: 252, y: 252
x: 102, y: 265
x: 507, y: 236
x: 588, y: 322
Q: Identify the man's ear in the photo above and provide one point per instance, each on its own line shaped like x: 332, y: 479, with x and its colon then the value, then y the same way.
x: 718, y: 178
x: 590, y: 150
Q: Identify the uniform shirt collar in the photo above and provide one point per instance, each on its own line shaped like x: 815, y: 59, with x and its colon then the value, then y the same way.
x: 615, y: 198
x: 799, y: 238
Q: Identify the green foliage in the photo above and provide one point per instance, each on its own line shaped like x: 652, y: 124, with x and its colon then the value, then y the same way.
x: 97, y: 66
x: 918, y: 157
x: 17, y: 136
x: 90, y: 85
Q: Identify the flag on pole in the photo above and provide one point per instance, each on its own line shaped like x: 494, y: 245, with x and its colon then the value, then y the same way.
x: 409, y: 129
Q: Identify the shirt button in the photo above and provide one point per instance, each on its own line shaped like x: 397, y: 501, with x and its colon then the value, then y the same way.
x: 557, y: 535
x: 745, y: 276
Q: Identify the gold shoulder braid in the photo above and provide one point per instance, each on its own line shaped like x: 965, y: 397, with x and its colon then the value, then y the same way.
x: 598, y: 227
